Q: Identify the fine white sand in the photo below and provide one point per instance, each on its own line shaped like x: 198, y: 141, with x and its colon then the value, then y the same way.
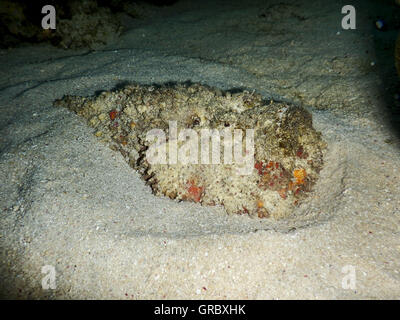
x: 70, y: 202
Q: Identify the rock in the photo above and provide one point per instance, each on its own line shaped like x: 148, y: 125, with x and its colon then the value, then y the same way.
x: 90, y: 26
x: 14, y: 23
x: 196, y: 143
x: 78, y: 24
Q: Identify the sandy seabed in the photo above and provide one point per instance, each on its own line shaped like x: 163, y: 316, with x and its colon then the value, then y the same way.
x: 70, y: 202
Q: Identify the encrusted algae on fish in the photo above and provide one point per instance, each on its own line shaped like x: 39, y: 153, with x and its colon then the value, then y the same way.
x: 287, y: 149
